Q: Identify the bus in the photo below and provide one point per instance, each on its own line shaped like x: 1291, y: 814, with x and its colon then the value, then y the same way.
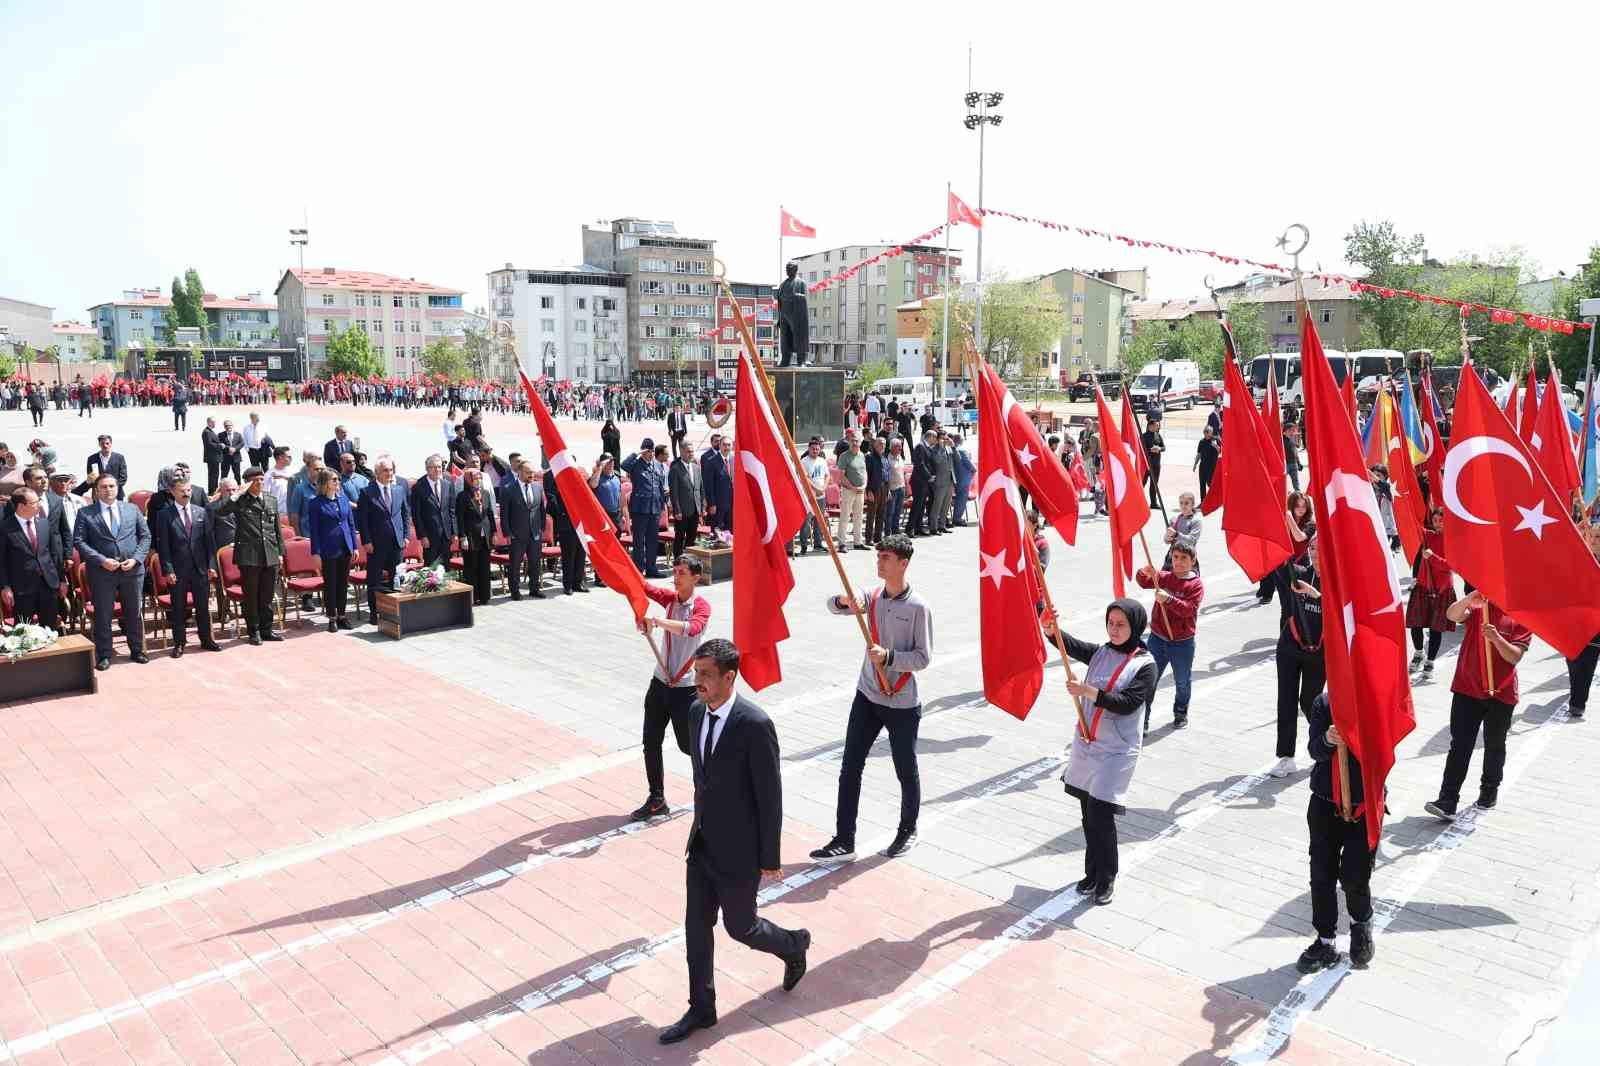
x: 1286, y: 371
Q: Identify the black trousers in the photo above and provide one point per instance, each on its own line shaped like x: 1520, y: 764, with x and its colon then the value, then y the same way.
x: 664, y: 703
x: 185, y: 586
x: 867, y: 720
x: 522, y: 554
x: 1339, y: 855
x: 382, y: 561
x: 180, y: 418
x: 213, y: 475
x: 40, y: 604
x: 335, y: 584
x: 919, y: 510
x: 683, y: 532
x: 1155, y: 484
x: 38, y: 415
x: 475, y: 571
x: 258, y: 583
x: 1301, y: 676
x: 1099, y: 840
x: 1467, y: 716
x: 1435, y: 638
x: 877, y: 508
x: 230, y: 465
x: 573, y: 558
x: 1205, y: 481
x: 1580, y: 673
x: 707, y: 891
x: 105, y: 588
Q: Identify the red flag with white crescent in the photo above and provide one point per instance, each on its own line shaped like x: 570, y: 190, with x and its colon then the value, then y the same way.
x: 1011, y: 644
x: 789, y: 226
x: 1130, y: 436
x: 960, y: 212
x: 599, y: 537
x: 1251, y: 485
x: 1552, y: 442
x: 1125, y: 499
x: 768, y: 510
x: 1364, y: 645
x: 1034, y: 466
x: 1530, y: 405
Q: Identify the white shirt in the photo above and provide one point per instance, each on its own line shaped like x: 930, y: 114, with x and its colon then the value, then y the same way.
x: 722, y: 721
x: 252, y: 435
x: 872, y: 405
x: 108, y: 511
x: 449, y: 432
x: 278, y: 482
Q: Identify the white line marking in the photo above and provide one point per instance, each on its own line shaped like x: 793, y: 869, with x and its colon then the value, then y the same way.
x: 1264, y: 1040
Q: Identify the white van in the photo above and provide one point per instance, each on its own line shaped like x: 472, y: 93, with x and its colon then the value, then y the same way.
x: 1168, y: 383
x: 916, y: 391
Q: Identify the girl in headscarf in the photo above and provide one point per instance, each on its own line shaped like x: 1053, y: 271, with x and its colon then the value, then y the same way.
x: 1111, y: 695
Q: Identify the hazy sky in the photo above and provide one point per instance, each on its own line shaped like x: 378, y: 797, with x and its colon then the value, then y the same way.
x: 441, y: 140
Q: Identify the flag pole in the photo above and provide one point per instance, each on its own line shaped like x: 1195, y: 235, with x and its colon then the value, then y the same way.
x: 780, y: 241
x: 944, y: 359
x: 799, y: 473
x: 1160, y: 607
x: 1344, y: 780
x: 1050, y: 609
x: 657, y: 653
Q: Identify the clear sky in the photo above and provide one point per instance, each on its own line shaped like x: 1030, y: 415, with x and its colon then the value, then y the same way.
x: 442, y: 140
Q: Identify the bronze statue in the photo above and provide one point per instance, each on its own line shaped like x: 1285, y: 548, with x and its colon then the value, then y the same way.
x: 794, y: 320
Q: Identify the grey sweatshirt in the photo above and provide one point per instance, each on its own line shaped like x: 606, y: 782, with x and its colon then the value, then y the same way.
x: 905, y: 627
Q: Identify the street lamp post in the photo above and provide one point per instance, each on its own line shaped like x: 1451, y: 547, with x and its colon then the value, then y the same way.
x: 979, y: 120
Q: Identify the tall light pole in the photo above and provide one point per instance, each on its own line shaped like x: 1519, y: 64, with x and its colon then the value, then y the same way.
x: 300, y: 237
x: 979, y: 120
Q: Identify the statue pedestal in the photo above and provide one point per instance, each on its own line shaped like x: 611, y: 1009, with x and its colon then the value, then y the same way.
x: 810, y: 400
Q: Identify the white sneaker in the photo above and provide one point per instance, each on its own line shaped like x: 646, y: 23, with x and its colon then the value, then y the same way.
x: 1285, y: 767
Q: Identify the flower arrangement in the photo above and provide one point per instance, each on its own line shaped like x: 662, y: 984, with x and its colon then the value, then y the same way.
x: 420, y: 580
x: 18, y: 640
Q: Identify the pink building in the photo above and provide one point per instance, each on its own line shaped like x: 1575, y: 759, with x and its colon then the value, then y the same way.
x: 402, y: 316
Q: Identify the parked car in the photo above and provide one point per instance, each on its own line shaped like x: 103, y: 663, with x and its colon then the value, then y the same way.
x: 1083, y: 388
x: 1211, y: 390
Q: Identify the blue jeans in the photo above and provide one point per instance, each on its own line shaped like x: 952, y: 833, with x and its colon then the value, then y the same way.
x: 815, y: 534
x: 897, y: 500
x: 1179, y: 654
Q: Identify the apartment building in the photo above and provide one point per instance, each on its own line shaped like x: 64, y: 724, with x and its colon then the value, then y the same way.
x: 758, y: 303
x: 402, y: 316
x: 569, y: 323
x: 74, y: 341
x: 26, y: 324
x: 249, y: 321
x: 1093, y: 311
x: 671, y: 296
x: 853, y: 321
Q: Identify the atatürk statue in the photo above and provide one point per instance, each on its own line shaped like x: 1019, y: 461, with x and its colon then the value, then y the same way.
x: 794, y: 321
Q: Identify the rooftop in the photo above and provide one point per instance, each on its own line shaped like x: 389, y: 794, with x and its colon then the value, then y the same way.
x: 1166, y: 310
x: 157, y: 298
x: 72, y: 327
x: 331, y: 278
x: 1284, y: 294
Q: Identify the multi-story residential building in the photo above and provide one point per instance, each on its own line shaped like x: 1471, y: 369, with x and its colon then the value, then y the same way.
x: 1092, y: 317
x: 569, y: 322
x: 1334, y: 309
x: 24, y: 323
x: 759, y: 305
x: 74, y: 341
x: 671, y: 294
x: 141, y: 314
x: 853, y: 321
x: 402, y: 316
x: 915, y: 355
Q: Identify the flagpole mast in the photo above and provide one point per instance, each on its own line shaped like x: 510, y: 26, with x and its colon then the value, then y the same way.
x: 1488, y: 667
x: 1050, y: 611
x: 944, y: 358
x: 799, y: 474
x: 781, y: 227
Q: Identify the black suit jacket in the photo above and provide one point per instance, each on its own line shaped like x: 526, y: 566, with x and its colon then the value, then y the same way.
x: 114, y: 464
x: 210, y: 445
x: 738, y: 798
x: 475, y: 526
x: 433, y: 516
x: 191, y: 553
x: 332, y: 450
x: 516, y: 520
x: 21, y: 567
x: 922, y: 465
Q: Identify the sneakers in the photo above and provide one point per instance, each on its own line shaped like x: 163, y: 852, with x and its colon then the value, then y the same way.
x: 1427, y: 668
x: 1285, y: 767
x: 1487, y: 798
x: 1416, y: 661
x: 654, y: 807
x: 1180, y: 721
x: 1104, y: 893
x: 903, y: 842
x: 1319, y: 956
x: 835, y: 850
x: 1441, y: 810
x: 1361, y: 949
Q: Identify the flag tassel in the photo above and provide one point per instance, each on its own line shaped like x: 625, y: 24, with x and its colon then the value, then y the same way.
x: 794, y: 459
x: 1050, y: 611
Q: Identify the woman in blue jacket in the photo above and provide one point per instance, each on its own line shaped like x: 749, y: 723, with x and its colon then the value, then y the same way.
x: 331, y: 528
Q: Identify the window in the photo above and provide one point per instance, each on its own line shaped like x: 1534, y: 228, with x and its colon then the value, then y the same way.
x: 580, y: 351
x: 580, y: 326
x: 327, y: 299
x: 416, y: 326
x: 582, y: 303
x: 883, y: 328
x: 377, y: 325
x: 1077, y: 297
x: 652, y: 288
x: 547, y: 325
x: 377, y: 300
x: 812, y: 277
x: 910, y: 288
x: 652, y: 351
x: 650, y: 331
x: 883, y: 292
x: 361, y: 299
x: 883, y: 270
x: 327, y: 325
x: 255, y: 334
x: 136, y: 315
x: 883, y: 348
x: 1327, y: 315
x: 359, y: 323
x: 606, y: 303
x: 727, y: 333
x: 1288, y: 318
x: 415, y: 352
x: 650, y: 310
x: 138, y: 333
x: 547, y: 303
x: 416, y: 300
x: 827, y: 257
x: 399, y: 301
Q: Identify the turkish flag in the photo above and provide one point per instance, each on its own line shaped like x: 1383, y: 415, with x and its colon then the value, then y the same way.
x: 789, y: 226
x: 1369, y: 689
x: 960, y: 212
x: 1272, y: 415
x: 1409, y: 509
x: 1347, y: 388
x: 1130, y: 437
x: 1252, y: 486
x: 1011, y: 643
x: 1511, y: 411
x: 768, y: 510
x: 1530, y: 406
x: 599, y: 536
x: 1125, y: 500
x: 1432, y: 442
x: 1039, y: 471
x: 1552, y: 442
x: 1507, y: 530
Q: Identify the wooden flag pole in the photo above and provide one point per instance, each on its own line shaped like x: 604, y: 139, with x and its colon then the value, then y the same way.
x: 656, y: 651
x: 1050, y: 608
x: 1344, y: 780
x: 799, y: 472
x: 1488, y: 649
x: 1160, y: 607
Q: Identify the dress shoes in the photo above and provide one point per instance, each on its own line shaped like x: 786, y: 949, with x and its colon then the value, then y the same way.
x: 177, y: 652
x: 255, y: 639
x: 536, y: 594
x: 345, y: 623
x: 581, y: 588
x: 140, y: 657
x: 210, y: 645
x: 333, y: 626
x: 683, y: 1027
x: 794, y: 967
x: 102, y: 664
x: 272, y: 636
x: 516, y: 596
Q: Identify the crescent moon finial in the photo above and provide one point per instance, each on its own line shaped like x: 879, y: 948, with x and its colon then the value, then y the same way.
x: 1284, y: 240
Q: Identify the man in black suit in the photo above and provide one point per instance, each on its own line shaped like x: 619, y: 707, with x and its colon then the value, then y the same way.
x: 922, y: 475
x: 211, y: 452
x: 573, y: 558
x: 686, y: 498
x: 522, y: 521
x: 187, y: 546
x: 106, y: 461
x: 32, y: 561
x: 384, y: 519
x: 336, y: 447
x: 232, y: 448
x: 112, y: 540
x: 180, y: 406
x: 734, y: 841
x: 433, y: 512
x: 677, y: 425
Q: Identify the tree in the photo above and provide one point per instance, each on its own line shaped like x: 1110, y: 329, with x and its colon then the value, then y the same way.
x: 93, y: 349
x: 1021, y: 321
x: 1572, y: 352
x: 442, y: 357
x: 51, y: 354
x: 195, y: 305
x: 872, y: 373
x: 1391, y: 261
x: 8, y: 366
x: 351, y: 353
x: 478, y: 348
x: 1199, y: 338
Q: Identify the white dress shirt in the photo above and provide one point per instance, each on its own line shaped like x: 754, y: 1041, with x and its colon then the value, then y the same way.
x: 722, y: 722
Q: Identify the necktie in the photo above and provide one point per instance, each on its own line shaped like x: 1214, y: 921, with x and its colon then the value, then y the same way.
x: 111, y: 514
x: 527, y: 494
x: 33, y: 538
x: 386, y: 497
x: 711, y: 732
x: 188, y: 522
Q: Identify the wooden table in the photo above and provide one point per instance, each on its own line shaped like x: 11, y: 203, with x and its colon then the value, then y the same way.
x: 716, y: 563
x: 402, y: 614
x: 64, y: 667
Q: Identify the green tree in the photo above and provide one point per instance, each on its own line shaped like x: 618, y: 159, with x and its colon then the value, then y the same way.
x: 351, y: 353
x: 1391, y: 260
x: 93, y: 349
x: 51, y: 354
x: 1198, y: 338
x: 195, y: 305
x: 478, y: 348
x: 1021, y: 321
x: 1572, y: 352
x: 8, y: 366
x: 872, y: 373
x: 177, y: 315
x: 442, y: 357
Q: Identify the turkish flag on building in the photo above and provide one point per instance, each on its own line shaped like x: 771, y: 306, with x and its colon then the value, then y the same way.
x: 789, y: 226
x: 610, y: 561
x: 960, y: 212
x: 1369, y: 689
x: 1530, y: 405
x: 1506, y: 529
x: 768, y: 510
x: 1011, y: 644
x: 1251, y: 485
x: 1039, y: 471
x: 1125, y: 500
x: 1552, y: 442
